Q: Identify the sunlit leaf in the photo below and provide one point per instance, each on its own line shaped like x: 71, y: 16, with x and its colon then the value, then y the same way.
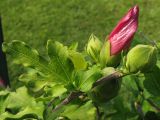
x: 59, y: 61
x: 86, y: 79
x: 84, y: 112
x: 78, y: 60
x: 25, y: 55
x: 20, y: 104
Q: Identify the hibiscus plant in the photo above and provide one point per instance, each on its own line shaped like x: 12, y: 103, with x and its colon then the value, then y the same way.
x: 114, y: 79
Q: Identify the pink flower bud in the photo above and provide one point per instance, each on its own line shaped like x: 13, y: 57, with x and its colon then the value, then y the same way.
x: 121, y: 36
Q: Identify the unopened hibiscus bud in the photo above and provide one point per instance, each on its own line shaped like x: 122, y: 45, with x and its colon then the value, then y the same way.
x: 141, y: 58
x: 121, y: 36
x: 93, y: 48
x: 109, y: 60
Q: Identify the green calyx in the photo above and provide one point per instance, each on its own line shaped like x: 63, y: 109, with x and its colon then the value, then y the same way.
x: 106, y: 59
x: 141, y: 58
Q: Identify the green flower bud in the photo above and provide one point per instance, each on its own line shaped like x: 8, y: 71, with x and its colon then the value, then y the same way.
x: 141, y: 58
x: 107, y: 90
x: 93, y: 48
x: 109, y: 60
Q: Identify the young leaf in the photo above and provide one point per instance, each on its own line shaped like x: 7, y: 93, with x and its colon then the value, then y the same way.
x: 25, y: 55
x: 74, y: 112
x: 59, y: 61
x: 73, y: 46
x: 20, y: 104
x: 130, y: 84
x: 86, y: 79
x: 3, y: 96
x: 18, y: 49
x: 78, y: 60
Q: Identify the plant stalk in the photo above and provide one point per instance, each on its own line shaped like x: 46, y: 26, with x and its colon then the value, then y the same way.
x: 153, y: 104
x: 116, y: 75
x: 72, y: 96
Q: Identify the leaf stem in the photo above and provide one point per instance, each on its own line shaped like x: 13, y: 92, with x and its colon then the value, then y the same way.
x: 97, y: 111
x: 153, y: 104
x: 72, y: 96
x: 52, y: 101
x: 116, y: 75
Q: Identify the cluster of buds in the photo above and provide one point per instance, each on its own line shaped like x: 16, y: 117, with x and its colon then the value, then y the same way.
x: 141, y: 58
x: 109, y: 54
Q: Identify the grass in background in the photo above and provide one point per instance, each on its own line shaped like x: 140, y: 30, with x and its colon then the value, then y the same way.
x: 36, y: 21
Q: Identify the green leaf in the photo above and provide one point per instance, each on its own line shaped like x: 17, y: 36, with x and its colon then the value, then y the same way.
x: 55, y: 90
x: 21, y: 104
x: 3, y: 96
x: 28, y: 112
x: 25, y: 55
x: 158, y: 63
x: 50, y: 115
x: 73, y: 46
x: 34, y: 81
x: 152, y: 82
x: 78, y: 60
x: 87, y: 78
x: 119, y: 109
x: 130, y: 83
x: 147, y: 107
x: 59, y: 61
x: 84, y: 112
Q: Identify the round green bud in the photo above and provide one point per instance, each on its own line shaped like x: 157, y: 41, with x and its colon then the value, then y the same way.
x: 141, y: 58
x: 107, y: 90
x: 106, y: 59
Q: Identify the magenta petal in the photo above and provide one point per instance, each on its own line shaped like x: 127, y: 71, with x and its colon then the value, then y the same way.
x: 121, y: 36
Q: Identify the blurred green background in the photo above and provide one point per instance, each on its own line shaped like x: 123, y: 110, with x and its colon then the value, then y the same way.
x: 36, y: 21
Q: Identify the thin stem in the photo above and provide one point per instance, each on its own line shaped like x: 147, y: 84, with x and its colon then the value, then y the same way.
x: 153, y: 105
x: 97, y: 111
x: 102, y: 80
x: 72, y: 96
x: 52, y: 101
